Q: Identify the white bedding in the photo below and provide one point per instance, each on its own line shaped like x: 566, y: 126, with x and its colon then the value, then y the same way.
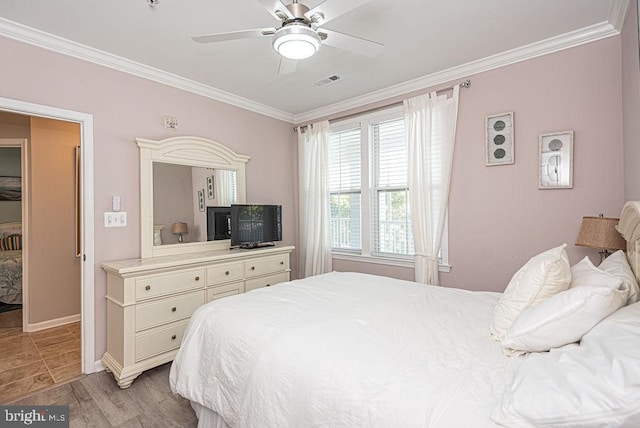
x: 11, y: 277
x: 345, y: 350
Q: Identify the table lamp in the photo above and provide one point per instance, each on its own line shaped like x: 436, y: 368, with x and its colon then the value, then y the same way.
x: 600, y: 232
x: 180, y: 229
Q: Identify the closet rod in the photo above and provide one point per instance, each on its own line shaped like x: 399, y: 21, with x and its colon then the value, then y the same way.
x: 464, y: 84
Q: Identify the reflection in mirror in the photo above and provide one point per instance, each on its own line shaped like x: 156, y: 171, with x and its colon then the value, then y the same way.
x: 182, y: 193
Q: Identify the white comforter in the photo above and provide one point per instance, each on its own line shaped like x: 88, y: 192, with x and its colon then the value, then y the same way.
x: 345, y: 350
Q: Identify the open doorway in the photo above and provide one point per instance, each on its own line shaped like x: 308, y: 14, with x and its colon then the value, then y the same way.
x: 65, y: 335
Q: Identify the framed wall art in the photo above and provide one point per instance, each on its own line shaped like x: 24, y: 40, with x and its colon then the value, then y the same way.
x: 499, y: 139
x: 210, y: 187
x: 201, y: 200
x: 555, y: 170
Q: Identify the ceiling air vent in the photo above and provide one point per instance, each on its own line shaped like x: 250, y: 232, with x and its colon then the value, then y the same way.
x: 327, y: 80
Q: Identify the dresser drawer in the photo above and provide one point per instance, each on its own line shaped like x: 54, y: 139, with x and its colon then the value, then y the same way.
x: 167, y: 310
x: 266, y: 281
x: 266, y: 265
x: 225, y: 290
x: 225, y: 273
x: 159, y: 285
x: 159, y: 341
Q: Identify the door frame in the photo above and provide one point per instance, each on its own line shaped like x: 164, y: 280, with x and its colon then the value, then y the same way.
x: 85, y: 121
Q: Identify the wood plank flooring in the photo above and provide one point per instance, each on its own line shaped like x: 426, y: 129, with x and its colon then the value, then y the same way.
x: 32, y: 361
x: 97, y: 401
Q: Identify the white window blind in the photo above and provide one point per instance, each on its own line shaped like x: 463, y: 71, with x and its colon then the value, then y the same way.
x: 370, y: 206
x: 345, y: 178
x: 392, y: 232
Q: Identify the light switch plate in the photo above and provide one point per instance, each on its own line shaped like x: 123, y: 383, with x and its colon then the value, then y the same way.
x: 115, y: 219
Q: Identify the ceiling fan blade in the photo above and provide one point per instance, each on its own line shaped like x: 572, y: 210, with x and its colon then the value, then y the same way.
x: 275, y: 6
x: 350, y: 43
x: 287, y: 65
x: 332, y: 9
x: 234, y: 35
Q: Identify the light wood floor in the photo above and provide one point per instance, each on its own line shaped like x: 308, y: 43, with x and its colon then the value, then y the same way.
x: 97, y: 401
x: 33, y: 361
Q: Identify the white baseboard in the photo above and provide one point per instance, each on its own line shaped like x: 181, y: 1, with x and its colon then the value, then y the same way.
x: 53, y: 323
x: 98, y: 366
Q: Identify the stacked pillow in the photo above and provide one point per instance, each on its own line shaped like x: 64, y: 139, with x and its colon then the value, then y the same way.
x: 541, y: 277
x: 558, y: 304
x: 617, y: 265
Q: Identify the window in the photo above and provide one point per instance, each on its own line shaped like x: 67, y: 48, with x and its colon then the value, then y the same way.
x: 370, y: 206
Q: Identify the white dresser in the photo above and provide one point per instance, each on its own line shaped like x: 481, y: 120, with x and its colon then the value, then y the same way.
x: 150, y: 301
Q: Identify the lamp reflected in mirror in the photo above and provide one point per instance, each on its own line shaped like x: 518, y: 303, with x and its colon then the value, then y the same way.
x: 180, y: 229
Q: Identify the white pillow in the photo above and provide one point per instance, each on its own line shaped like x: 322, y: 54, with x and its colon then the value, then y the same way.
x: 593, y: 384
x: 563, y: 318
x: 618, y: 265
x: 584, y: 273
x: 541, y: 277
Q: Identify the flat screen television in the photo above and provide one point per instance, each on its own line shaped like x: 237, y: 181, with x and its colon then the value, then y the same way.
x: 255, y: 226
x: 218, y: 223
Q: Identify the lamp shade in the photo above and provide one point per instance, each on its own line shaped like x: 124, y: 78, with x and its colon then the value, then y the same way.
x: 600, y: 232
x: 180, y: 228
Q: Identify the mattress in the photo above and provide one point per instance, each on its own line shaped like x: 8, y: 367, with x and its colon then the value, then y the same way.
x: 345, y: 350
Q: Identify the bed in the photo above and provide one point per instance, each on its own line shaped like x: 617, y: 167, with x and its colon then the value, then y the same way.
x: 11, y: 263
x: 357, y: 350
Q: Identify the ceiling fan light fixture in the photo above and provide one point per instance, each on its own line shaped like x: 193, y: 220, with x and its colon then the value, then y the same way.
x: 296, y: 41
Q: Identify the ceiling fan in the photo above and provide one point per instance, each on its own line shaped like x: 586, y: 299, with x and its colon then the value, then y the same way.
x: 300, y: 35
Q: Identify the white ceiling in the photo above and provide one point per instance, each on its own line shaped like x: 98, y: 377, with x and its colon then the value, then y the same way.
x: 426, y: 41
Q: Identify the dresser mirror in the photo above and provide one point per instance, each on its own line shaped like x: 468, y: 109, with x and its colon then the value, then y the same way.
x: 180, y: 178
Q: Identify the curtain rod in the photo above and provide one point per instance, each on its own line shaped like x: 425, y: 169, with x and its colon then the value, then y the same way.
x: 465, y: 84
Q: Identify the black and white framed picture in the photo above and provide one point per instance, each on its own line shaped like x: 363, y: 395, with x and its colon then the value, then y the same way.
x: 555, y: 169
x: 499, y: 139
x: 201, y: 200
x: 210, y: 187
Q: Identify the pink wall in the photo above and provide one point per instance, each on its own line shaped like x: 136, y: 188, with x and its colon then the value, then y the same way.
x: 125, y: 107
x: 631, y: 103
x: 498, y: 218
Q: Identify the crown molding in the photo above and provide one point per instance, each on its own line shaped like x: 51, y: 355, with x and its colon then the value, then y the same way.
x: 57, y: 44
x: 617, y: 13
x: 544, y: 47
x: 22, y: 33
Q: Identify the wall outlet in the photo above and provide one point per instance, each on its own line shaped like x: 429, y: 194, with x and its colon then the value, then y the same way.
x: 170, y: 122
x: 115, y: 219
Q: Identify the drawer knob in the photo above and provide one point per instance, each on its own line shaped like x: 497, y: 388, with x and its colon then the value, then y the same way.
x: 174, y: 309
x: 253, y: 268
x: 281, y: 263
x: 148, y: 287
x: 268, y: 285
x: 226, y: 273
x: 197, y: 278
x: 173, y: 337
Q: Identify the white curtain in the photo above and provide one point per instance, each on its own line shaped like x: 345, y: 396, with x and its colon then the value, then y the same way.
x: 313, y: 170
x: 225, y: 187
x: 430, y: 122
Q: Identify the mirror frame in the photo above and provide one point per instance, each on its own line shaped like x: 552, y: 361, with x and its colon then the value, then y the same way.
x: 189, y: 151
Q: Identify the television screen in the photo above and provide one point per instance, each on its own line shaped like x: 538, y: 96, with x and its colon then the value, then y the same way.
x: 255, y: 225
x: 218, y: 223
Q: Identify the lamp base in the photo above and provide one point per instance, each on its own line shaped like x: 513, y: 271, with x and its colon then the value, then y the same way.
x: 604, y: 254
x: 180, y: 240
